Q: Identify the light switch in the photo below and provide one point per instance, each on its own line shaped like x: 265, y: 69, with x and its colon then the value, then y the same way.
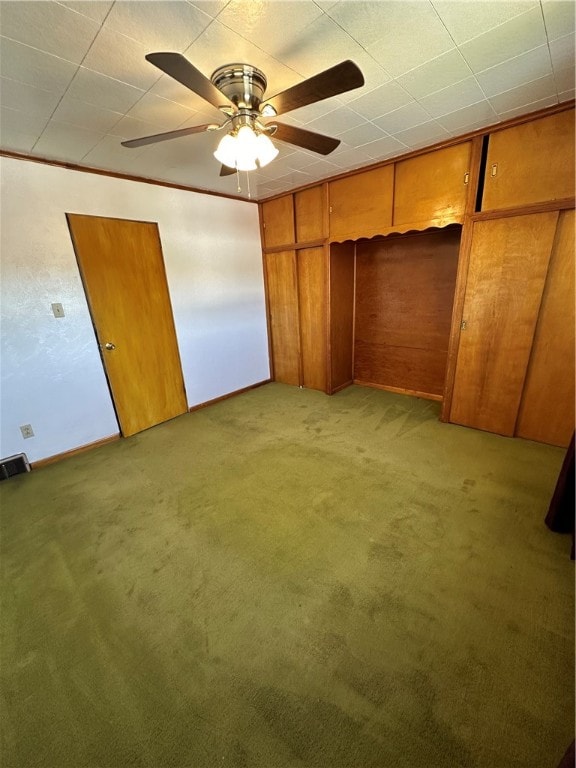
x: 58, y: 310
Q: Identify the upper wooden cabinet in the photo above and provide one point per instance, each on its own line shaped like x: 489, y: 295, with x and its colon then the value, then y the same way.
x: 361, y: 205
x: 432, y: 187
x: 530, y: 163
x: 310, y: 207
x: 278, y: 221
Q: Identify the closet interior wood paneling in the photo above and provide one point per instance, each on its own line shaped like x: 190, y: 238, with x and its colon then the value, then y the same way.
x: 404, y: 294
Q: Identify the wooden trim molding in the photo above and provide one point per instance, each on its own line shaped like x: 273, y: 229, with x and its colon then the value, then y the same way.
x: 228, y: 396
x: 117, y: 175
x: 562, y: 204
x: 295, y: 246
x: 67, y: 454
x: 415, y: 227
x: 399, y: 390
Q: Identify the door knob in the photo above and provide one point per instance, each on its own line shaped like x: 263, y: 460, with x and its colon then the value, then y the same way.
x: 109, y: 345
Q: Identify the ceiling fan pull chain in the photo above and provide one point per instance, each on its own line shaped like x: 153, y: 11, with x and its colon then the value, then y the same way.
x: 238, y: 180
x: 248, y: 184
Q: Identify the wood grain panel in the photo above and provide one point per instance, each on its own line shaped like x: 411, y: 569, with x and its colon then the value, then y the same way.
x: 432, y: 187
x: 341, y: 315
x: 507, y: 269
x: 309, y: 205
x: 283, y: 315
x: 534, y: 162
x: 312, y: 283
x: 404, y: 295
x: 123, y: 274
x: 361, y: 205
x: 547, y: 407
x: 278, y: 221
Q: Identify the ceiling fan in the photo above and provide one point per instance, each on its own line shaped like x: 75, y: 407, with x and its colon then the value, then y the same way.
x: 237, y: 90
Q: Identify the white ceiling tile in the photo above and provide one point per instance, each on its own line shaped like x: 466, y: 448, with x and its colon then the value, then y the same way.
x: 466, y: 19
x: 168, y: 88
x: 323, y: 168
x: 460, y: 120
x: 566, y: 95
x: 122, y: 58
x: 514, y: 72
x: 103, y: 91
x: 366, y: 21
x: 543, y: 88
x: 380, y: 101
x: 79, y: 113
x: 525, y: 109
x: 160, y: 112
x: 27, y: 65
x: 71, y: 34
x: 109, y: 153
x: 520, y: 34
x: 384, y: 148
x: 412, y: 35
x: 14, y: 121
x: 314, y: 111
x: 94, y: 9
x: 63, y: 141
x: 362, y: 134
x: 422, y: 135
x: 211, y: 7
x: 335, y: 122
x: 450, y: 99
x: 13, y: 141
x: 170, y: 25
x: 276, y: 26
x: 131, y: 128
x: 564, y: 79
x: 562, y: 52
x: 321, y: 45
x: 26, y: 98
x: 445, y: 70
x: 406, y: 117
x: 559, y: 17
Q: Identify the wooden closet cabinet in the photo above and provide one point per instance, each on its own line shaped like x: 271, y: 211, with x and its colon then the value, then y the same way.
x: 432, y: 188
x: 296, y: 283
x: 530, y: 163
x: 310, y: 214
x: 361, y: 205
x: 506, y: 276
x: 278, y: 222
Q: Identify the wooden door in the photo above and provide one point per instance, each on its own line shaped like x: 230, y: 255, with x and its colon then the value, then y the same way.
x: 547, y: 408
x: 312, y: 279
x: 341, y: 307
x: 530, y: 163
x: 432, y: 187
x: 508, y: 262
x: 123, y: 273
x: 278, y: 221
x: 309, y: 210
x: 361, y: 204
x: 282, y: 295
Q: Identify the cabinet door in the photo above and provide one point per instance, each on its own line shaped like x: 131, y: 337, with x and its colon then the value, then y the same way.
x: 530, y: 163
x: 547, y: 409
x: 309, y: 206
x: 508, y: 262
x: 312, y: 277
x: 361, y: 205
x: 433, y: 186
x: 283, y: 315
x: 278, y: 221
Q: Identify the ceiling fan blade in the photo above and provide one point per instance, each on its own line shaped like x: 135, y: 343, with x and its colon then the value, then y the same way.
x: 316, y: 142
x: 178, y: 67
x: 226, y: 171
x: 338, y: 79
x: 165, y: 136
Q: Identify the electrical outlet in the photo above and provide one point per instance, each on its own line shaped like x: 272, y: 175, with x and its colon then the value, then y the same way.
x: 58, y: 310
x: 27, y: 431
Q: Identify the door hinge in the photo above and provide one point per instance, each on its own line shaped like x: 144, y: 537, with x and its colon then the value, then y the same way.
x: 463, y: 325
x: 466, y: 177
x: 494, y: 169
x: 330, y: 209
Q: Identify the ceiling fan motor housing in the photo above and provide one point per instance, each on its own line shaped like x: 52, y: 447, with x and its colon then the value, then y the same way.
x: 243, y: 84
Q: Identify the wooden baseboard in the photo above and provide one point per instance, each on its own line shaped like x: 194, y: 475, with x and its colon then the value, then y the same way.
x: 74, y: 451
x: 229, y: 395
x: 340, y: 387
x: 400, y: 391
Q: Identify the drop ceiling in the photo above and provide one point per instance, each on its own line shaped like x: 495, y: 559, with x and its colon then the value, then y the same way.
x: 75, y: 83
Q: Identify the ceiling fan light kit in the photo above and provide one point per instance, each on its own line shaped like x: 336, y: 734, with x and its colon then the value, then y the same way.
x: 237, y: 90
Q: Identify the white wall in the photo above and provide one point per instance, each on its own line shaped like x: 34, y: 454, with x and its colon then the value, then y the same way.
x: 51, y: 373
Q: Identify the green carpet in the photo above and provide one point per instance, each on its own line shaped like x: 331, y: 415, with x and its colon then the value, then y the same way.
x: 286, y: 579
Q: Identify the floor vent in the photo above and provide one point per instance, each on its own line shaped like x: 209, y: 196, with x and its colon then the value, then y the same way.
x: 13, y: 465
